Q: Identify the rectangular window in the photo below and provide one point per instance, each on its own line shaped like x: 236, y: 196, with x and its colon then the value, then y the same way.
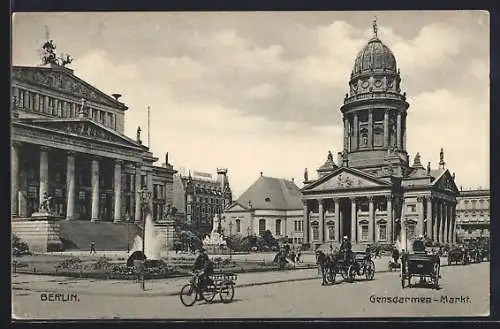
x: 364, y: 232
x: 331, y: 232
x: 382, y: 232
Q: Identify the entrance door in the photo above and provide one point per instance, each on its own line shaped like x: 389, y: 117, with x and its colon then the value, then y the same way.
x: 345, y: 209
x: 83, y: 206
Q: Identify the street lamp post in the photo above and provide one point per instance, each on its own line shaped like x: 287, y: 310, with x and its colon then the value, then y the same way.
x: 127, y: 218
x: 145, y: 196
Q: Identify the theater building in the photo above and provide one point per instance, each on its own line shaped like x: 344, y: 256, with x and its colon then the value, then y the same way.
x: 68, y: 142
x: 373, y: 193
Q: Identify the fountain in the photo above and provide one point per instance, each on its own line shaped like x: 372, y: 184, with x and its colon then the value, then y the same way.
x: 154, y: 245
x: 215, y: 239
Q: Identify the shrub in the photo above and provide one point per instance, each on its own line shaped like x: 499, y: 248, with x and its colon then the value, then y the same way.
x: 72, y: 263
x: 19, y: 248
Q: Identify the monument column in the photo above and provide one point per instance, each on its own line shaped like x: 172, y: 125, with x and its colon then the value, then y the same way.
x: 370, y: 128
x: 338, y: 222
x: 305, y: 223
x: 353, y: 220
x: 371, y: 224
x: 420, y: 204
x: 44, y: 172
x: 321, y: 214
x: 14, y: 183
x: 117, y: 187
x: 428, y: 225
x: 390, y: 220
x: 138, y: 188
x: 95, y: 189
x: 398, y: 131
x: 386, y: 128
x: 70, y: 185
x: 355, y: 134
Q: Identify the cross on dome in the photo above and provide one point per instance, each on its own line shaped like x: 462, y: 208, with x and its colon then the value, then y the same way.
x: 375, y: 27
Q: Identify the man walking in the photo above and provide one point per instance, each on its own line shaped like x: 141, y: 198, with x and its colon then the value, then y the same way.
x: 92, y: 247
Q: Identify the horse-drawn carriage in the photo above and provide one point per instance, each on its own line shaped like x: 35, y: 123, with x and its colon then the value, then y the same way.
x: 458, y: 255
x: 422, y: 265
x: 358, y: 263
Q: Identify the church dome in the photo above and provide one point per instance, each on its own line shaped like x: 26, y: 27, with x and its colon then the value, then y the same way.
x: 375, y: 56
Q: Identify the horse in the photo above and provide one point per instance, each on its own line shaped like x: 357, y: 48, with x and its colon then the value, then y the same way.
x: 325, y: 264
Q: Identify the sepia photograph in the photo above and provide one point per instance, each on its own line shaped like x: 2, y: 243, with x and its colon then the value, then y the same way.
x: 250, y: 165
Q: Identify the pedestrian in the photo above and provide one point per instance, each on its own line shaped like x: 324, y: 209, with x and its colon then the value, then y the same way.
x: 92, y: 247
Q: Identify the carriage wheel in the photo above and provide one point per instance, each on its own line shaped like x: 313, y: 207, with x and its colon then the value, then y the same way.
x: 370, y: 270
x: 208, y: 293
x: 188, y: 295
x: 436, y: 275
x: 344, y: 273
x: 226, y: 292
x: 333, y: 275
x: 351, y: 273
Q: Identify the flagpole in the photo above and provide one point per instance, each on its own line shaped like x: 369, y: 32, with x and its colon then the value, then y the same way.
x: 149, y: 125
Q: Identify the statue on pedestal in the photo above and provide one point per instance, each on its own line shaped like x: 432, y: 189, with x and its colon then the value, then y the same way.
x: 45, y: 204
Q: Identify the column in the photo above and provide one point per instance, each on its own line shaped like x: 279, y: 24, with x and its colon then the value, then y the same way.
x: 138, y: 188
x: 338, y: 222
x: 420, y: 207
x: 346, y: 125
x: 353, y: 220
x: 95, y: 190
x: 370, y: 128
x: 371, y: 224
x: 390, y: 220
x: 14, y: 180
x: 398, y: 131
x: 46, y: 108
x: 435, y: 217
x: 403, y: 128
x: 453, y: 224
x: 305, y: 222
x: 441, y: 221
x: 429, y: 217
x: 355, y: 133
x: 386, y: 128
x: 70, y: 186
x: 446, y: 221
x: 44, y: 172
x: 321, y: 220
x: 117, y: 188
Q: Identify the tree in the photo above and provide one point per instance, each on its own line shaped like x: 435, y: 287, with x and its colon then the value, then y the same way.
x: 269, y: 240
x: 235, y: 242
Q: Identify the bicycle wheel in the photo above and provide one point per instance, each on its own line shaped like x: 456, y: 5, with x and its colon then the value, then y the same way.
x: 188, y: 295
x: 208, y: 293
x: 226, y: 291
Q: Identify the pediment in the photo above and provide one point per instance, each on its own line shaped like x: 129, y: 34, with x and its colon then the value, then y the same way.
x: 445, y: 182
x: 63, y: 81
x: 83, y: 128
x: 236, y: 207
x: 345, y: 178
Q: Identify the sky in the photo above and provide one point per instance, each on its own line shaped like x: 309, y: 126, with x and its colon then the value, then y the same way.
x: 261, y: 91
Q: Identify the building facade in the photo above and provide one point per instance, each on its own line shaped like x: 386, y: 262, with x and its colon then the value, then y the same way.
x: 198, y: 197
x: 373, y: 194
x: 473, y: 214
x: 68, y: 143
x: 272, y: 204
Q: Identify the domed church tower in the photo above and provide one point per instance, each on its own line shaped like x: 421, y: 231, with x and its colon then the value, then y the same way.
x: 374, y: 113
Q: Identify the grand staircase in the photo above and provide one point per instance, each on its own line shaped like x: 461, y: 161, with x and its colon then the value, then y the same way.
x: 77, y: 235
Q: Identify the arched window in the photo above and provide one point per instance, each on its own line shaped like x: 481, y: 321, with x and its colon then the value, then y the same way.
x: 315, y: 231
x: 278, y: 227
x: 262, y: 226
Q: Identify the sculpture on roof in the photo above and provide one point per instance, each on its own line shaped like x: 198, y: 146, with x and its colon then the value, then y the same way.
x: 139, y: 135
x: 330, y: 156
x: 306, y: 175
x: 49, y: 53
x: 375, y: 27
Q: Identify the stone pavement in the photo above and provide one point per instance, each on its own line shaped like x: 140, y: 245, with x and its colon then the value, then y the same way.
x: 160, y: 287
